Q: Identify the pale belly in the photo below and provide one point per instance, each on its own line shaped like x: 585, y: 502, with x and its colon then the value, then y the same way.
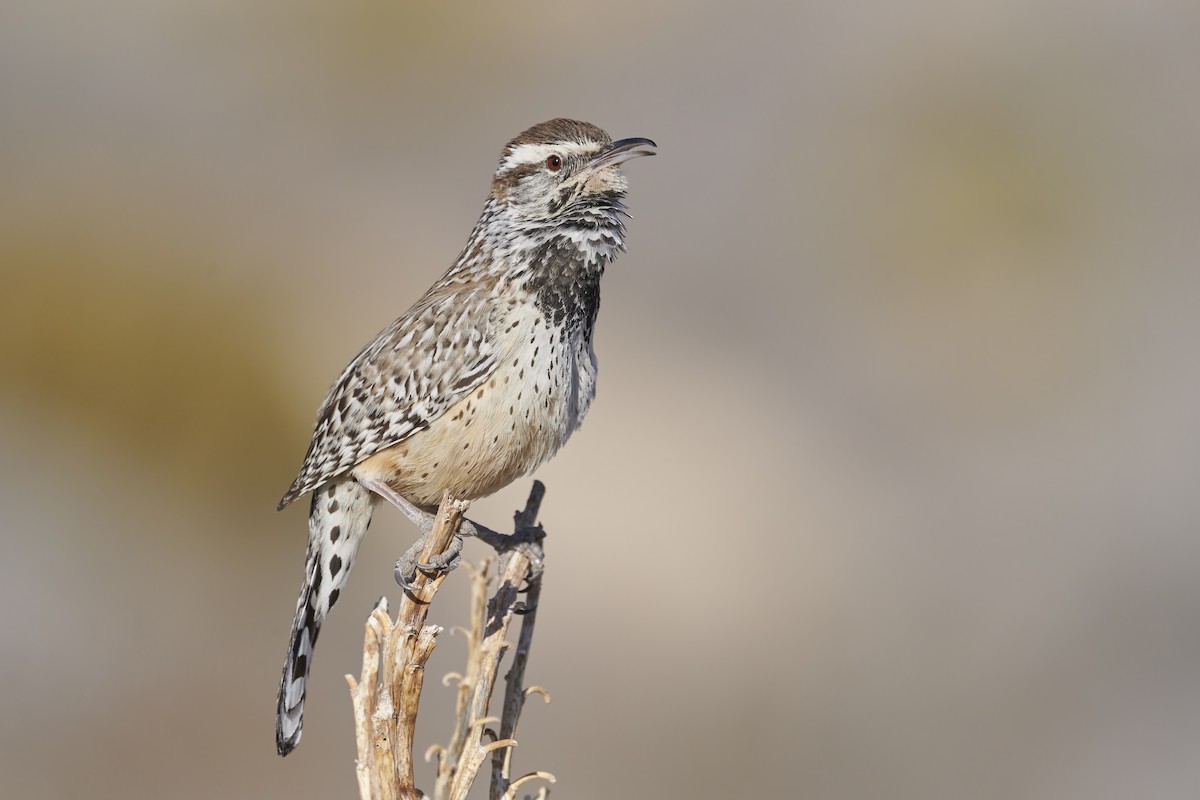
x: 514, y: 422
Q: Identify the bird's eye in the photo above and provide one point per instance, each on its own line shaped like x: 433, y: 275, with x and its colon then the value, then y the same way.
x: 554, y: 163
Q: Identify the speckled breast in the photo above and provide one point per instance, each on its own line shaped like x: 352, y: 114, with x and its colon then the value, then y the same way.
x: 508, y: 426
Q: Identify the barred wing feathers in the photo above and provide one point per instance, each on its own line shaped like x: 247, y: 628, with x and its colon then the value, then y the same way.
x: 441, y: 350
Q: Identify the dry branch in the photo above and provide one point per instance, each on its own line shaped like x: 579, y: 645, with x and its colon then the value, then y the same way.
x: 387, y: 694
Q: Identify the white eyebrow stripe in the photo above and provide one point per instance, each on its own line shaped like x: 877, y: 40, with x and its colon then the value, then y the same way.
x: 537, y: 153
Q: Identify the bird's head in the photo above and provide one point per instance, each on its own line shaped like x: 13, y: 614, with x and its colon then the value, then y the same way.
x: 564, y: 169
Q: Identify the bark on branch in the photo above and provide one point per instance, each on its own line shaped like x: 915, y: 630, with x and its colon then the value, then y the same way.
x: 387, y: 694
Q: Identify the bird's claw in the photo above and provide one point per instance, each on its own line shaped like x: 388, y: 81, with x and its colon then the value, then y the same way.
x: 409, y: 563
x: 445, y: 561
x: 526, y: 540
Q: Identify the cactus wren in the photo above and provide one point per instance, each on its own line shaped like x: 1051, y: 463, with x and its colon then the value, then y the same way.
x: 478, y: 383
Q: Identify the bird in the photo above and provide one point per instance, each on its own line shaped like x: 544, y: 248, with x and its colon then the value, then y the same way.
x: 477, y: 384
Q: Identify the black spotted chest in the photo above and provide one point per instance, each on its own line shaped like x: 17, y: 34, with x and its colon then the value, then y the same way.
x: 565, y: 285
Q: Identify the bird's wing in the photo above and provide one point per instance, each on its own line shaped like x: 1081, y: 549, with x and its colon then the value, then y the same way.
x: 419, y: 366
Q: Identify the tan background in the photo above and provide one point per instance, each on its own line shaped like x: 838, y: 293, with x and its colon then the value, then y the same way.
x: 890, y: 490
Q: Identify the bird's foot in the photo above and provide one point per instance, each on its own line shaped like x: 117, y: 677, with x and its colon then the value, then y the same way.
x: 527, y: 540
x: 408, y: 564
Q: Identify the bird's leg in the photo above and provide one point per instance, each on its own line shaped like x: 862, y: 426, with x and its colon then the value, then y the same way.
x: 527, y: 539
x: 408, y: 564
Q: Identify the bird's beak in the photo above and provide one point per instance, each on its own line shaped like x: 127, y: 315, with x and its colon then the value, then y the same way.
x: 622, y: 150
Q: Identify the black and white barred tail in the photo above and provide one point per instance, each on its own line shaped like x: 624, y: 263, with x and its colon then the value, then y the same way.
x: 341, y: 511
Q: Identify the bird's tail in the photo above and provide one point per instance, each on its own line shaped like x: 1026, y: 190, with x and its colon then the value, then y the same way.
x: 341, y: 512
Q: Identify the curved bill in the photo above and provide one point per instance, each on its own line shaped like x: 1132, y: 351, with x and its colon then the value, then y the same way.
x: 622, y: 150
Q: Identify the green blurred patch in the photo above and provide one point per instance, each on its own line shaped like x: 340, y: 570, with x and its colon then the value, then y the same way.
x: 984, y: 184
x: 975, y: 246
x: 161, y: 365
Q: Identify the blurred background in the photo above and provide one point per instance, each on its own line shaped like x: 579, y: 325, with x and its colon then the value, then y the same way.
x: 890, y: 487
